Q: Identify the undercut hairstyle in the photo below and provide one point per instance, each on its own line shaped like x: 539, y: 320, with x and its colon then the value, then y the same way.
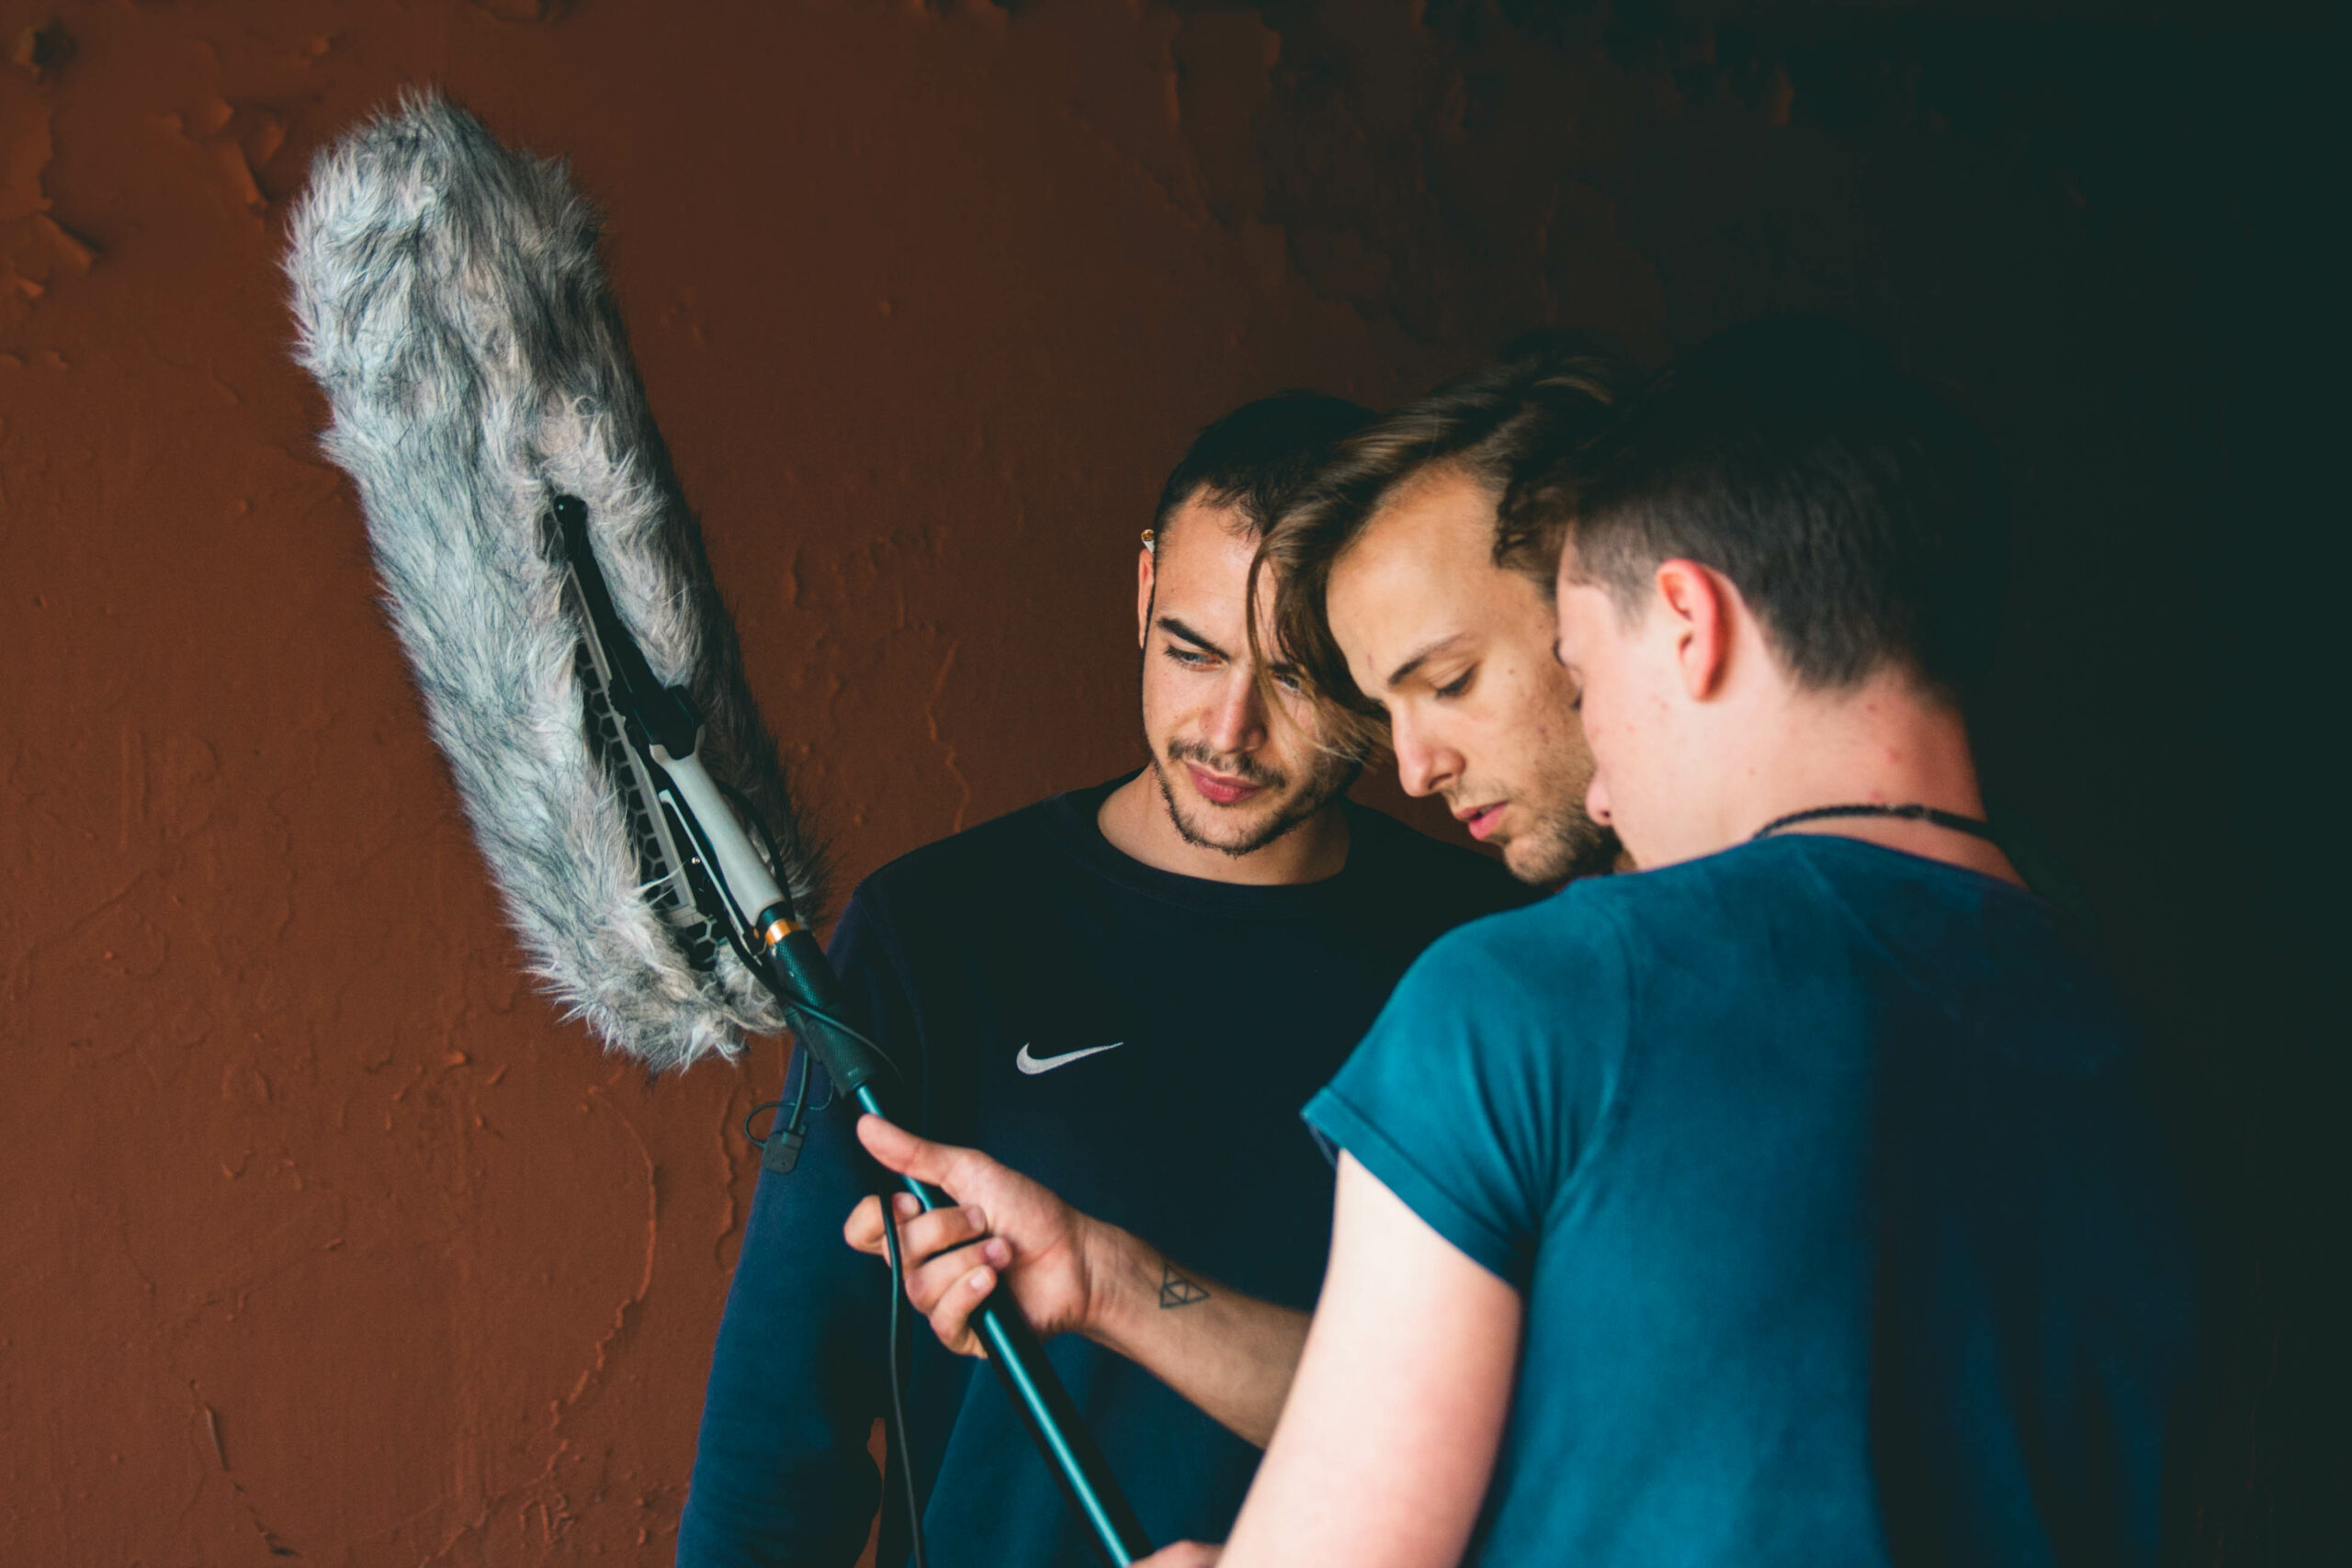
x: 1863, y: 520
x: 1541, y: 401
x: 1255, y: 457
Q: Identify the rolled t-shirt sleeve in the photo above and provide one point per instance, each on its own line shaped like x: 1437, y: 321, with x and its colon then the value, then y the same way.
x: 1474, y: 1101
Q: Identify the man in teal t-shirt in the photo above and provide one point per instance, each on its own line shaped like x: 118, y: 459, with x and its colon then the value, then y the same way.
x: 1822, y: 1170
x: 1796, y: 1199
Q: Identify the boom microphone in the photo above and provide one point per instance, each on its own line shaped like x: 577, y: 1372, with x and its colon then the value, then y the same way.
x: 578, y: 667
x: 449, y: 301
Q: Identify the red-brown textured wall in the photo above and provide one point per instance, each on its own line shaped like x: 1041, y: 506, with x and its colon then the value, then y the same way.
x: 323, y: 1232
x: 322, y: 1237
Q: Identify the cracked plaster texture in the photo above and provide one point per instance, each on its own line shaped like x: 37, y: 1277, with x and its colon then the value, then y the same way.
x: 325, y: 1237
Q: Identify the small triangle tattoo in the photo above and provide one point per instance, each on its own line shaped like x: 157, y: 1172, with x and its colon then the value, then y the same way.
x: 1175, y: 1291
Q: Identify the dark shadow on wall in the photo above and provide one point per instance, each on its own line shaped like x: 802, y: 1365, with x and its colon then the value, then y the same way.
x: 2103, y: 233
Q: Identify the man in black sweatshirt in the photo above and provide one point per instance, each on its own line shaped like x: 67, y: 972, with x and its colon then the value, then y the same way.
x: 1127, y: 992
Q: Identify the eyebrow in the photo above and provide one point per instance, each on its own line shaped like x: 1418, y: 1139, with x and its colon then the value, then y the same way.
x: 1175, y: 627
x: 1422, y: 656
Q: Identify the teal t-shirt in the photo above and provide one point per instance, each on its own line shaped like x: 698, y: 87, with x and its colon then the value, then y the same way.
x: 1829, y: 1179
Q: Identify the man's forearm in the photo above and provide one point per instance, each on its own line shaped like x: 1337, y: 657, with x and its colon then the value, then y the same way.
x: 1231, y: 1354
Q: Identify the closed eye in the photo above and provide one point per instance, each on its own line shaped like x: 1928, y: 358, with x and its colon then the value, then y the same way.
x: 1190, y: 659
x: 1459, y: 684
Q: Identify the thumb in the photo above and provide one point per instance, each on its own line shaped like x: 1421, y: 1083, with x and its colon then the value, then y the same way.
x: 897, y: 1149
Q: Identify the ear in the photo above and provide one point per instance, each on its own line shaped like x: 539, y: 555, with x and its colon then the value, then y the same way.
x: 1144, y: 582
x: 1697, y: 604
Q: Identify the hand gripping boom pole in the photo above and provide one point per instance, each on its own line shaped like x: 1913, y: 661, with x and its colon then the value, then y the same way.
x: 661, y: 728
x: 1014, y: 1350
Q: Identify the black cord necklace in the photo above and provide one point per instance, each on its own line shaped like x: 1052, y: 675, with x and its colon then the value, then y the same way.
x: 1912, y: 813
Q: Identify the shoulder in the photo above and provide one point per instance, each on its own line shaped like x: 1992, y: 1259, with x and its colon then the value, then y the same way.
x: 1481, y: 1087
x: 1691, y: 903
x: 1450, y: 882
x: 965, y: 867
x: 917, y: 916
x: 1546, y: 962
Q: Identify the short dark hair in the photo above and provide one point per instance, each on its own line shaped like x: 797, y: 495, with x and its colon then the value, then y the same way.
x: 1256, y: 457
x: 1546, y: 398
x: 1860, y: 518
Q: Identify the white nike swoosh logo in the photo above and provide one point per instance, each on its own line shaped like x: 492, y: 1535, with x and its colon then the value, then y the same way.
x: 1035, y: 1065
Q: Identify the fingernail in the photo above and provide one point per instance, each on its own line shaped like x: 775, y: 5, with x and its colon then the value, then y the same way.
x: 997, y: 1252
x: 905, y: 1206
x: 979, y: 1220
x: 981, y: 1279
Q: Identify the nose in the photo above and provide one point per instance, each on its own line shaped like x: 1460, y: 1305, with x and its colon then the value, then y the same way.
x: 1596, y: 801
x: 1424, y: 766
x: 1236, y: 720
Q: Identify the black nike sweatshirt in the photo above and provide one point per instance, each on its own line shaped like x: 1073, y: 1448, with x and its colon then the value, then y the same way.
x: 1139, y: 1042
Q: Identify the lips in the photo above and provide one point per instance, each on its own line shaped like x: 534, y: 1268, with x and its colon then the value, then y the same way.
x: 1218, y: 789
x: 1481, y: 820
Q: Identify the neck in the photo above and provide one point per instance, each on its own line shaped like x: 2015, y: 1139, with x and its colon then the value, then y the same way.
x: 1134, y: 819
x: 1885, y: 744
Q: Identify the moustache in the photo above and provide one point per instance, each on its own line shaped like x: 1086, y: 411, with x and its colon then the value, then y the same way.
x: 1237, y: 766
